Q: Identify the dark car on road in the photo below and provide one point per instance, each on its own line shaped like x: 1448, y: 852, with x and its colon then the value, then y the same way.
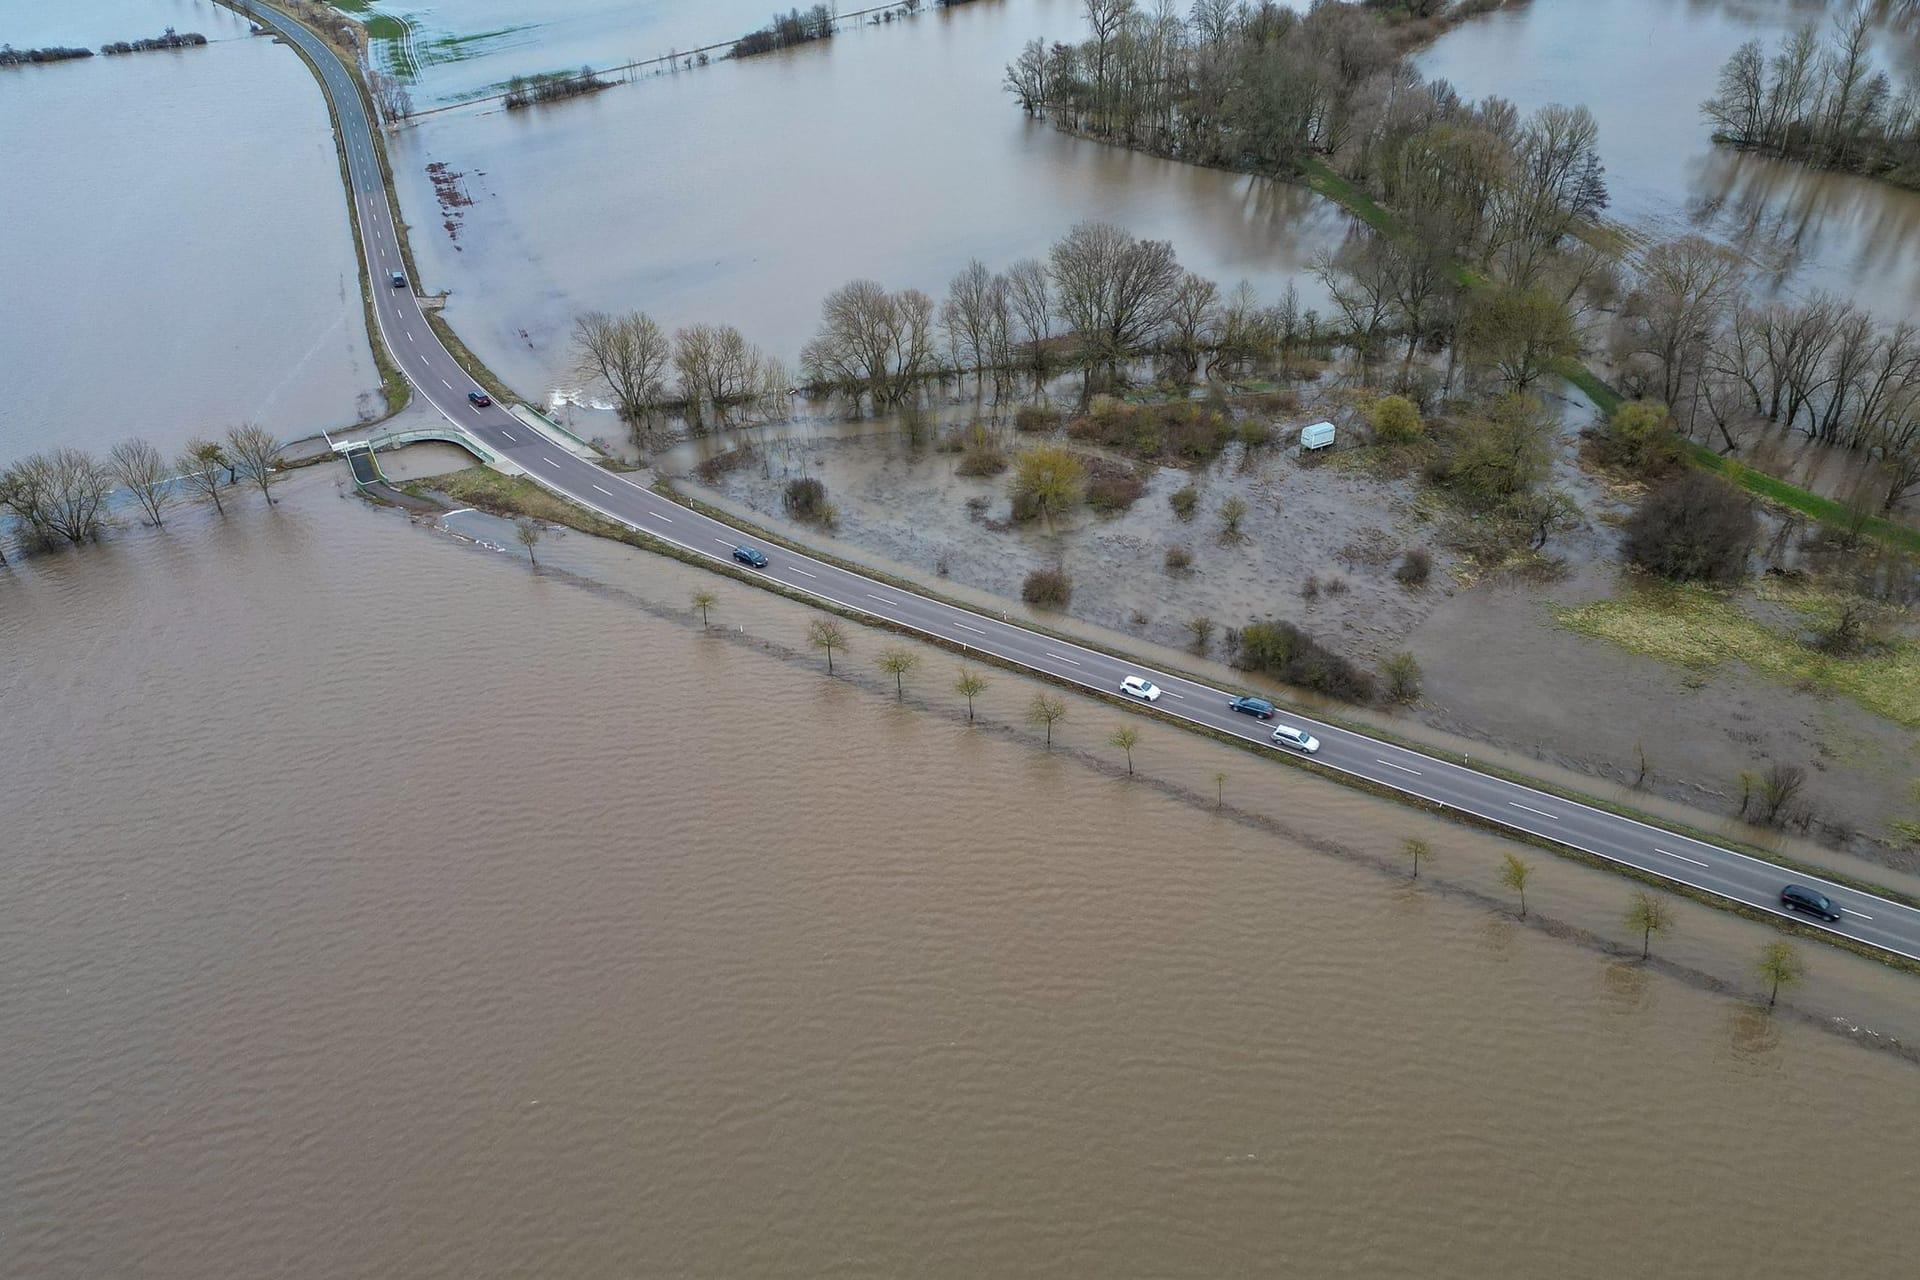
x: 1259, y: 707
x: 747, y: 555
x: 480, y: 399
x: 399, y: 279
x: 1796, y: 898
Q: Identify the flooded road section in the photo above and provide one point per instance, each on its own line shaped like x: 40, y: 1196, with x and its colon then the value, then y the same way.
x: 745, y: 192
x: 379, y: 906
x: 1803, y: 229
x: 177, y: 253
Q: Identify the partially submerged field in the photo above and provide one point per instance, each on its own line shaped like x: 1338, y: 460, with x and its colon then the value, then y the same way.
x: 1556, y: 656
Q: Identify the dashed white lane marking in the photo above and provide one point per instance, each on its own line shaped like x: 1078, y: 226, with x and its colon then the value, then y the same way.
x: 608, y: 492
x: 550, y: 462
x: 657, y: 516
x: 1849, y: 911
x: 509, y: 436
x: 1681, y: 856
x: 409, y: 335
x: 1171, y: 694
x: 1051, y: 654
x: 883, y: 599
x: 1391, y: 765
x: 723, y: 542
x: 964, y: 627
x: 1530, y: 809
x: 802, y: 572
x: 446, y: 384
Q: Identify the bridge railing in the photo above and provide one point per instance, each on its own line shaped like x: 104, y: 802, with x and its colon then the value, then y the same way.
x: 395, y: 439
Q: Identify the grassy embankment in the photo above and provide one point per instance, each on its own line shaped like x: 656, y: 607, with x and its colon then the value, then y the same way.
x: 1327, y: 182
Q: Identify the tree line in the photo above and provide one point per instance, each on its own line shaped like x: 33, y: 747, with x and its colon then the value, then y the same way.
x: 785, y: 31
x: 62, y: 496
x: 1818, y: 99
x: 1101, y: 297
x: 1691, y: 336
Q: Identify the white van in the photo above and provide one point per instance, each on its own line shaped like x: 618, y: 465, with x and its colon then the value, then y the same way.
x: 1318, y: 435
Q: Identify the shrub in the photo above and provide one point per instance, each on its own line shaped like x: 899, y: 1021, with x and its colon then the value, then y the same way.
x: 1185, y: 502
x: 1403, y: 677
x: 1310, y: 589
x: 1201, y: 628
x: 1114, y: 487
x: 1255, y: 432
x: 1415, y: 567
x: 1232, y: 512
x: 1047, y: 588
x: 1336, y: 586
x: 1694, y: 528
x: 1503, y: 453
x: 1284, y: 651
x: 1179, y: 559
x: 1036, y: 417
x: 720, y: 463
x: 1048, y: 479
x: 805, y: 499
x: 1396, y: 420
x: 980, y: 453
x: 1638, y: 438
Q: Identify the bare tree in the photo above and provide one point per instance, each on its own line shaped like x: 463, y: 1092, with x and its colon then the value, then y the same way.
x: 139, y: 466
x: 1126, y: 738
x: 1514, y: 873
x: 1115, y: 291
x: 871, y: 340
x: 395, y: 103
x: 827, y: 634
x: 1417, y: 851
x: 897, y: 663
x: 627, y: 353
x: 970, y: 684
x: 254, y: 453
x: 203, y: 467
x: 1780, y: 966
x: 60, y: 495
x: 717, y: 367
x: 1030, y: 294
x: 1192, y: 319
x: 703, y: 601
x: 1045, y: 711
x: 1649, y: 915
x: 527, y: 533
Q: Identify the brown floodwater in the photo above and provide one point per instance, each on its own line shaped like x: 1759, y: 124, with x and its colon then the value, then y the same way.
x: 378, y: 906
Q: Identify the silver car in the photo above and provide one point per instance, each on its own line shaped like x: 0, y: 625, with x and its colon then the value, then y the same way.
x: 1299, y: 739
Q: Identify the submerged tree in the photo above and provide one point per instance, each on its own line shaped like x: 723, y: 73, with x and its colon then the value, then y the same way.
x: 139, y: 466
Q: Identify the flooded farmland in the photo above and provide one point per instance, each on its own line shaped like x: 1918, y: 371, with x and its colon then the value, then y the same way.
x: 380, y: 906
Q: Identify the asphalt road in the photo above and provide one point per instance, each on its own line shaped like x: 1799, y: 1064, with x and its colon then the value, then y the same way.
x: 440, y: 378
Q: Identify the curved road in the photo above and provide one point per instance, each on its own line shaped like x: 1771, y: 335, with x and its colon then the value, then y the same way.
x: 440, y: 378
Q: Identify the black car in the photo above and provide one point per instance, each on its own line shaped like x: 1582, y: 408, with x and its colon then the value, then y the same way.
x: 747, y: 555
x: 1795, y: 898
x: 399, y: 279
x: 479, y: 399
x: 1253, y: 707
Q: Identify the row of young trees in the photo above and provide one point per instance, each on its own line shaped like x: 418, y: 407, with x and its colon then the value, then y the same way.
x: 1820, y: 100
x: 1691, y: 336
x: 62, y: 496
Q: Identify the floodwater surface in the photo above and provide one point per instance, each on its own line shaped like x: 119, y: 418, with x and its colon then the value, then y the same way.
x: 744, y: 192
x: 176, y: 252
x: 1643, y: 67
x: 377, y: 905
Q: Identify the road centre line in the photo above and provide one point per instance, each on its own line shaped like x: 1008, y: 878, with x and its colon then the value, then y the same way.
x: 1391, y: 765
x: 550, y: 462
x: 964, y: 627
x: 509, y: 436
x: 1530, y: 809
x: 608, y: 492
x: 1051, y: 654
x: 1849, y: 911
x: 1683, y: 857
x: 802, y: 572
x: 1171, y: 694
x: 657, y: 516
x: 446, y: 384
x: 883, y: 599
